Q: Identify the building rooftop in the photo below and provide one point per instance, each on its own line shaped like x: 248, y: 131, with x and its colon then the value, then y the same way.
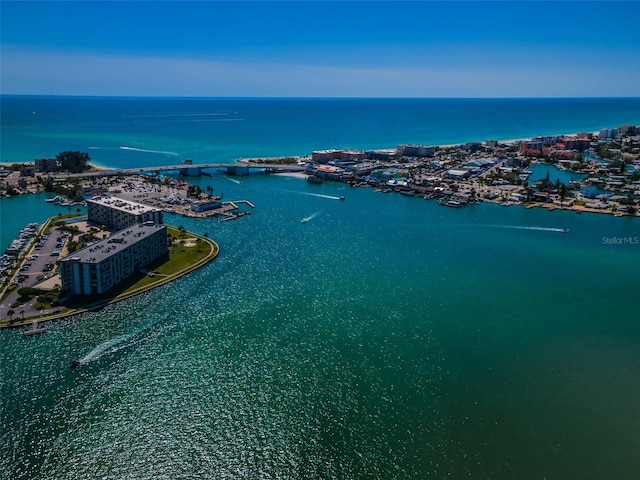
x: 115, y: 243
x: 123, y: 205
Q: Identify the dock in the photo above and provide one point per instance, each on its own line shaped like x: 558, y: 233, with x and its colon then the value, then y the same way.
x: 35, y: 330
x: 233, y: 216
x: 246, y: 202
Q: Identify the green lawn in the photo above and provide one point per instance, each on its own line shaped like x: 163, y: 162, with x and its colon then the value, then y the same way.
x: 182, y: 257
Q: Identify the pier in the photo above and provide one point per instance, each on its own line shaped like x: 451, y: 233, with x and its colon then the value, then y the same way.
x: 36, y: 329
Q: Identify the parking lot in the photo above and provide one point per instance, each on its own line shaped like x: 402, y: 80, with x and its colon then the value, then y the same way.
x: 40, y: 263
x: 39, y: 268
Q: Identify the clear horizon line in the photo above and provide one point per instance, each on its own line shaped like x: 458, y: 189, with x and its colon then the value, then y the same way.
x: 281, y: 97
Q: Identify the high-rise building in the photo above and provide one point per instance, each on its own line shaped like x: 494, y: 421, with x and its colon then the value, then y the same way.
x: 117, y: 214
x: 97, y: 268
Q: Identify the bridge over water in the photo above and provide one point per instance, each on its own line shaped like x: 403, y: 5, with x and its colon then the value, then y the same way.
x: 192, y: 169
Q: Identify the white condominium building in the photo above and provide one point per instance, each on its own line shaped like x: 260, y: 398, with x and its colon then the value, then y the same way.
x: 117, y: 214
x: 98, y: 267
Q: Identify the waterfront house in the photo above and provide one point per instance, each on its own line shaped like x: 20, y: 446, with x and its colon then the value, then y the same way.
x: 541, y: 197
x: 589, y: 192
x: 45, y: 164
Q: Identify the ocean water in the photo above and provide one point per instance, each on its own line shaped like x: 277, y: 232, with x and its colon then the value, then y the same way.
x: 145, y: 132
x: 386, y: 337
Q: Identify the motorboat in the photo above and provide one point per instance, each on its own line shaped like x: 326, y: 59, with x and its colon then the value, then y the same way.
x: 315, y: 180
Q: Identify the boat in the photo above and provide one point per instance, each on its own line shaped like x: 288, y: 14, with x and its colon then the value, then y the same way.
x: 304, y: 220
x: 55, y: 199
x: 341, y: 197
x: 75, y: 363
x: 452, y: 202
x: 564, y: 230
x: 315, y: 180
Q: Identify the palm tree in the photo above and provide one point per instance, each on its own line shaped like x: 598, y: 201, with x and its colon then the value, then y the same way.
x: 10, y: 313
x: 182, y: 231
x: 22, y: 314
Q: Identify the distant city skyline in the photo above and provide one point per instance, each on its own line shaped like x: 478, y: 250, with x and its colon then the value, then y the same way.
x: 321, y: 49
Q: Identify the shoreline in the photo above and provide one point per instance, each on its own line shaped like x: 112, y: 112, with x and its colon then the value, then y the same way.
x: 508, y: 141
x: 501, y: 144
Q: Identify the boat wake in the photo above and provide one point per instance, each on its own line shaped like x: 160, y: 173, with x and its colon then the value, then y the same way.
x: 112, y: 345
x: 330, y: 197
x: 144, y: 150
x: 523, y: 227
x: 234, y: 180
x: 311, y: 217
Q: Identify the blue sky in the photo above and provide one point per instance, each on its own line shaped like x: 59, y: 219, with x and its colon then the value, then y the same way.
x: 321, y: 49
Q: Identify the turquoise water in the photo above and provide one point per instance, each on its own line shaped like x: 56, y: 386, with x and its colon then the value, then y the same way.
x: 387, y: 337
x: 540, y: 172
x: 143, y: 132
